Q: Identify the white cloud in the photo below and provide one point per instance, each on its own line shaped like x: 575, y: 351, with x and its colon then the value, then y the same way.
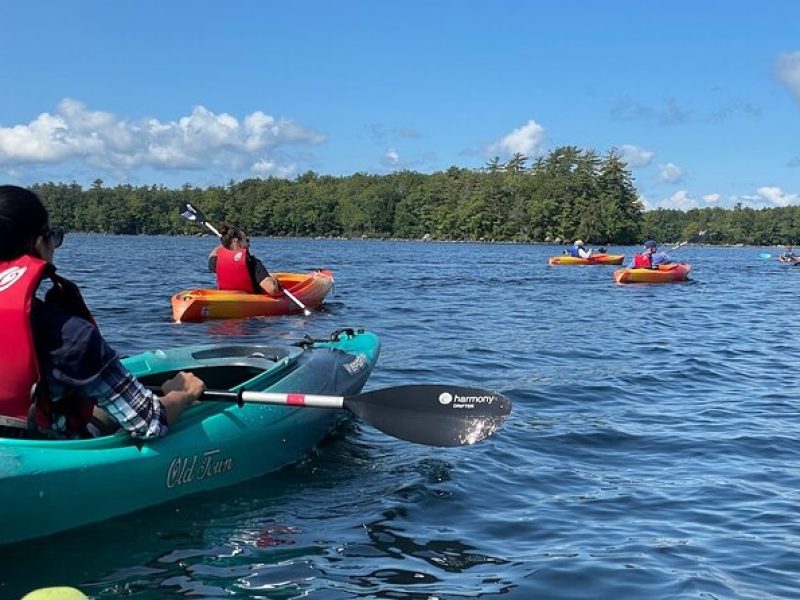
x: 771, y: 196
x: 787, y: 71
x: 635, y: 156
x: 199, y: 140
x: 670, y: 173
x: 392, y: 157
x: 267, y: 168
x: 764, y: 197
x: 680, y: 200
x: 526, y: 140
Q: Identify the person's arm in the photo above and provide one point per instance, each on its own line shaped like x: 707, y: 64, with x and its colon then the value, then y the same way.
x: 180, y: 392
x: 212, y: 260
x: 265, y: 281
x: 138, y: 410
x: 78, y: 358
x: 135, y: 408
x: 271, y: 286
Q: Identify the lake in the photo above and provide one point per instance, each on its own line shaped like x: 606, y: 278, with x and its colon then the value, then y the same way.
x: 652, y: 451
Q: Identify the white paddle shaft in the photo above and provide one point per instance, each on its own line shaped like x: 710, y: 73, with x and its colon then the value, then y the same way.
x: 293, y: 399
x: 213, y: 229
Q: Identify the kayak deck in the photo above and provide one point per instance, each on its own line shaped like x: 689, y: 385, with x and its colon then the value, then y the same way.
x: 200, y: 304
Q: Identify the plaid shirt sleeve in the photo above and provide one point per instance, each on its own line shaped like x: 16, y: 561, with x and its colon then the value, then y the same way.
x: 137, y: 409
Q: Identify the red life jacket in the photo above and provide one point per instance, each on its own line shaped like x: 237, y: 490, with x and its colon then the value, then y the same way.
x: 643, y: 261
x: 233, y: 272
x: 19, y: 279
x: 20, y: 373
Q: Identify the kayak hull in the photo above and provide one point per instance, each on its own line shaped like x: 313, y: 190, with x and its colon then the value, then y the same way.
x: 595, y: 259
x: 664, y: 274
x: 200, y: 304
x: 49, y: 486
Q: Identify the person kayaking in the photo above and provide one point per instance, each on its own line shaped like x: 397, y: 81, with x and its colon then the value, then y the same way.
x: 58, y: 376
x: 650, y: 258
x: 578, y: 250
x: 789, y: 256
x: 233, y: 273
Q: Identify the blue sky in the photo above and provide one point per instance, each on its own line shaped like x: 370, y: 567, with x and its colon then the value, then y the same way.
x: 702, y: 98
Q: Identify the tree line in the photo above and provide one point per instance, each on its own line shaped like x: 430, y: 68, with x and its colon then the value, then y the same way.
x: 570, y: 193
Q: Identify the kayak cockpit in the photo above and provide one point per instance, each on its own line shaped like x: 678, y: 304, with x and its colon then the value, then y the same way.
x: 220, y: 367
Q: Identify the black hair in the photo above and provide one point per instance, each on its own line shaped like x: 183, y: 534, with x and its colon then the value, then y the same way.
x: 227, y: 234
x: 22, y: 218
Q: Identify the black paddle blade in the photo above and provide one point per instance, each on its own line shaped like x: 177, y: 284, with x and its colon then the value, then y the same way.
x: 434, y: 415
x: 190, y: 213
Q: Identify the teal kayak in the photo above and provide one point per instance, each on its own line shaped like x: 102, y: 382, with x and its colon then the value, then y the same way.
x: 49, y: 486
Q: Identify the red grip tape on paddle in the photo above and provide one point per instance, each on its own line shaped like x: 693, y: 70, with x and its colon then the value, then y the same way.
x: 296, y: 399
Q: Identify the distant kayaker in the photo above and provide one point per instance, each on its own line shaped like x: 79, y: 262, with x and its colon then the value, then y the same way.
x: 788, y: 255
x: 233, y: 273
x: 58, y: 376
x: 578, y: 250
x: 651, y: 258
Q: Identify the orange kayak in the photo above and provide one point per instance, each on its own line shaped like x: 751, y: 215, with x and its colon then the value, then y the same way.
x: 664, y: 274
x: 594, y: 259
x: 197, y: 305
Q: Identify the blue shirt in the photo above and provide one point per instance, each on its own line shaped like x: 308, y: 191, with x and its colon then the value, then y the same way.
x: 661, y: 258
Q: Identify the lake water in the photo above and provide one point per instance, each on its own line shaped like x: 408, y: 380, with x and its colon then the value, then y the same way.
x: 652, y: 451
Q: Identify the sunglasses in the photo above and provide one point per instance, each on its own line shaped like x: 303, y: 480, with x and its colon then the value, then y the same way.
x: 54, y: 233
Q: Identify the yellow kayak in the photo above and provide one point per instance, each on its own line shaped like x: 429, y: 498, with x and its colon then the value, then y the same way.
x: 594, y: 259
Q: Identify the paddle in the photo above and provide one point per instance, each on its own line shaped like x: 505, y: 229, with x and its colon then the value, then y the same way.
x: 682, y: 244
x: 434, y: 415
x: 195, y: 215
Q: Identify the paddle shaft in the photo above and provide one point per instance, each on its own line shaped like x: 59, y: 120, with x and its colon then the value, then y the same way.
x: 213, y: 229
x: 677, y: 247
x: 278, y: 398
x: 296, y: 300
x: 682, y: 244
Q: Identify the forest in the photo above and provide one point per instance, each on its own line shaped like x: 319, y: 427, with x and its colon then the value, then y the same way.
x: 568, y: 194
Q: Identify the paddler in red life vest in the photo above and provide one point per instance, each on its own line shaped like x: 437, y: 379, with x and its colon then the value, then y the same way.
x: 58, y: 376
x: 650, y: 258
x: 236, y: 268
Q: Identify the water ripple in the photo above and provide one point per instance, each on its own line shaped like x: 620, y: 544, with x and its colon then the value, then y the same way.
x: 651, y: 452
